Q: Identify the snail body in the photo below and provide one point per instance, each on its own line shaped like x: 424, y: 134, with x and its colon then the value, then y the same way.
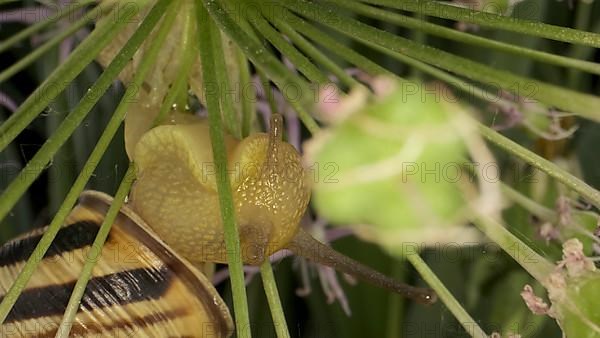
x: 176, y: 189
x: 176, y: 194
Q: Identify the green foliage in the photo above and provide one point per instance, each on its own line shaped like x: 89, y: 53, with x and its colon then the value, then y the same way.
x: 579, y: 313
x: 556, y: 65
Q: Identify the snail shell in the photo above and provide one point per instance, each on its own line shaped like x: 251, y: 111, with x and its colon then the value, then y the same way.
x: 139, y: 286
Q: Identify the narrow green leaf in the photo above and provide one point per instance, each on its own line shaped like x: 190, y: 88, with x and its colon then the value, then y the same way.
x: 113, y: 125
x: 96, y: 251
x: 536, y: 265
x: 590, y: 194
x: 43, y: 157
x: 29, y: 31
x: 264, y: 60
x: 315, y: 53
x: 232, y: 239
x: 462, y: 37
x: 248, y: 106
x: 441, y: 10
x: 62, y: 76
x: 270, y: 286
x: 467, y: 322
x: 585, y: 105
x: 189, y: 52
x: 336, y: 47
x: 301, y: 62
x: 225, y: 86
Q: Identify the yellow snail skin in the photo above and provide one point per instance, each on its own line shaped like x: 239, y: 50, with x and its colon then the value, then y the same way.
x: 176, y: 190
x: 176, y: 194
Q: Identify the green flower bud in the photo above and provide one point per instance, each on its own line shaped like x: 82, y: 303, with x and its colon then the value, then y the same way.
x: 396, y: 168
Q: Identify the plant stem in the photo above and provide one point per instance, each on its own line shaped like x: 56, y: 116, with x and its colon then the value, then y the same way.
x: 224, y: 86
x: 189, y: 52
x: 519, y: 198
x: 95, y: 253
x: 417, y: 35
x: 301, y: 62
x: 485, y: 19
x: 583, y: 15
x: 314, y: 53
x: 231, y: 233
x: 27, y: 32
x: 562, y: 98
x: 467, y: 322
x: 590, y: 194
x: 304, y: 116
x: 445, y: 76
x: 59, y: 79
x: 257, y: 53
x: 395, y: 306
x: 263, y: 60
x: 528, y: 204
x: 43, y: 157
x: 248, y: 97
x: 536, y: 265
x: 94, y: 159
x: 266, y: 272
x: 462, y: 37
x: 334, y: 46
x: 264, y: 80
x: 39, y: 51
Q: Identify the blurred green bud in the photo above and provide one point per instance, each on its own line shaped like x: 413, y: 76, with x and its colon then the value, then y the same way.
x: 395, y: 166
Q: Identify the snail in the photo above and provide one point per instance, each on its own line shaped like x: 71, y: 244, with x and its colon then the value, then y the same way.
x: 147, y: 279
x: 175, y: 192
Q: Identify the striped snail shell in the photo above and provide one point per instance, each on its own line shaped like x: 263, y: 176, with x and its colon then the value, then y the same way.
x: 139, y: 286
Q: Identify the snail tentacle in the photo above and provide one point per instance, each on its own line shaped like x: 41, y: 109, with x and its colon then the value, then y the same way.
x: 308, y: 247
